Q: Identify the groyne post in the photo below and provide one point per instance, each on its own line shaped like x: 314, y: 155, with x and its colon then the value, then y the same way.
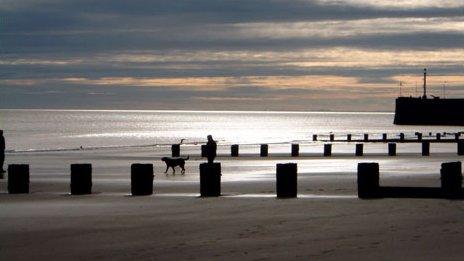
x: 366, y: 137
x: 457, y: 135
x: 368, y: 180
x: 18, y: 178
x: 438, y: 136
x: 234, y: 150
x: 425, y: 148
x: 348, y: 137
x: 210, y: 179
x: 384, y: 137
x: 295, y: 150
x: 419, y: 136
x: 327, y: 150
x: 141, y: 179
x: 332, y: 137
x: 451, y: 179
x: 175, y: 150
x: 391, y: 149
x: 401, y: 136
x: 359, y: 149
x: 286, y: 180
x: 81, y: 179
x: 314, y: 137
x: 264, y: 150
x: 460, y: 145
x: 204, y: 151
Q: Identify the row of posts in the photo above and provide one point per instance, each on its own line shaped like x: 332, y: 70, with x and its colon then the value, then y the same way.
x: 210, y: 180
x: 142, y: 177
x: 384, y: 137
x: 295, y: 149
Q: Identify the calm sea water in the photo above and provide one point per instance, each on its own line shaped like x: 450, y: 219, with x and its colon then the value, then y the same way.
x: 69, y: 129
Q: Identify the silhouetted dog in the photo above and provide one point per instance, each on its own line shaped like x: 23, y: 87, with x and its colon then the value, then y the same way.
x: 173, y: 162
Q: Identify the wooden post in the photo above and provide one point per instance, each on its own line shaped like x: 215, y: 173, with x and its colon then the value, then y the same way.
x: 401, y: 136
x: 368, y: 180
x: 332, y: 137
x: 314, y: 137
x: 451, y: 179
x: 359, y: 149
x: 210, y: 179
x: 204, y: 151
x: 81, y: 179
x: 327, y: 150
x: 384, y: 137
x: 286, y: 180
x: 366, y: 137
x: 141, y: 179
x: 438, y: 136
x: 419, y: 136
x: 348, y: 137
x: 425, y: 148
x: 391, y: 149
x: 295, y: 150
x: 18, y: 178
x: 460, y: 147
x: 457, y: 135
x: 175, y: 150
x: 264, y: 150
x: 234, y: 150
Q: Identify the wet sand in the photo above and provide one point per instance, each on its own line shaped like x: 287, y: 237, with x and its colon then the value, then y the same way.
x: 326, y: 222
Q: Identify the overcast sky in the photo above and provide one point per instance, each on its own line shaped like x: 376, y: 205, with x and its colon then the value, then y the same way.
x: 343, y: 55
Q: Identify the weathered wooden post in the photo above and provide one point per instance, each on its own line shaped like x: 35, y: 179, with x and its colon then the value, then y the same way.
x: 141, y: 179
x: 438, y: 136
x: 81, y: 179
x: 348, y: 137
x: 210, y: 179
x: 332, y: 137
x: 401, y: 136
x: 314, y: 137
x: 18, y: 178
x: 384, y: 137
x: 368, y: 180
x: 264, y: 150
x: 204, y: 151
x: 419, y: 136
x: 366, y: 137
x: 286, y: 180
x: 460, y: 145
x: 295, y: 150
x: 175, y: 150
x: 451, y: 179
x: 457, y: 135
x: 391, y: 149
x: 327, y: 150
x: 234, y: 150
x: 359, y: 149
x: 425, y: 148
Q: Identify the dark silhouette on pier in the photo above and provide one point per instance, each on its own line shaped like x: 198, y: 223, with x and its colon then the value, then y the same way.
x: 211, y: 148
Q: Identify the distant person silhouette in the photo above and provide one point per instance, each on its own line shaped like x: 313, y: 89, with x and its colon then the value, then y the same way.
x: 211, y: 147
x: 2, y: 151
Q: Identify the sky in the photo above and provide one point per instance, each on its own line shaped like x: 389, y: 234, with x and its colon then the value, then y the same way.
x: 296, y: 55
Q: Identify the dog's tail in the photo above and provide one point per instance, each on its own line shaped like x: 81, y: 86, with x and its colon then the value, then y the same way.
x: 188, y: 157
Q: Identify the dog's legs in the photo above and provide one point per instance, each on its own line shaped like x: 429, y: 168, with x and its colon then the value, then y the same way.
x: 183, y: 169
x: 166, y: 171
x: 173, y: 170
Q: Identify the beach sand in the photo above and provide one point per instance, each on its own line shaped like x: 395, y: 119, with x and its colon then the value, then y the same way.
x: 326, y: 222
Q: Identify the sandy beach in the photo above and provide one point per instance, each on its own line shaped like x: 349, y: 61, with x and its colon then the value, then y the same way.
x: 326, y: 222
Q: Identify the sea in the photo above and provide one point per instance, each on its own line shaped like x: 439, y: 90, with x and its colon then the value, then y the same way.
x: 50, y: 130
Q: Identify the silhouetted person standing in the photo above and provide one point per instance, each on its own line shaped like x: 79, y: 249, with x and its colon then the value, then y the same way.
x: 211, y: 147
x: 2, y: 151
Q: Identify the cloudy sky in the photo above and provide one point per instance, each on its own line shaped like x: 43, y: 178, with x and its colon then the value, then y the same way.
x: 343, y: 55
